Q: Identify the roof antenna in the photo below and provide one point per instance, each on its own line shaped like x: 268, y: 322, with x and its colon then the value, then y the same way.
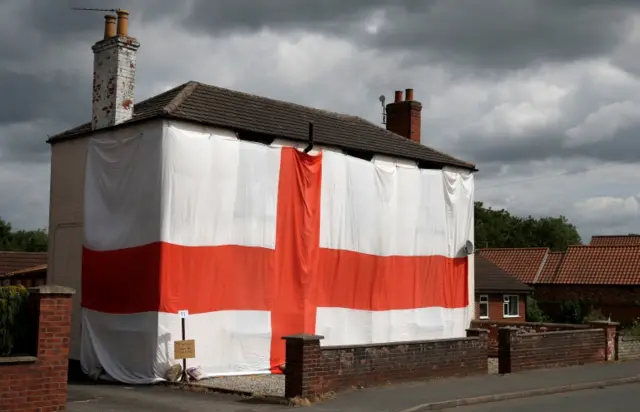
x: 384, y: 111
x: 86, y: 9
x: 310, y: 145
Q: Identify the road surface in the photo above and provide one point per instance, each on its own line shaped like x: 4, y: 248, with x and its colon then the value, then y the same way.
x: 621, y: 398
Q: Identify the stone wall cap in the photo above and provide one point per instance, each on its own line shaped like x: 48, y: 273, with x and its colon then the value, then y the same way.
x: 51, y: 290
x: 303, y: 336
x: 604, y: 322
x: 478, y: 330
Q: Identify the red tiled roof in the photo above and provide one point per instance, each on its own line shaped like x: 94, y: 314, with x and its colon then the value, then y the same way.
x: 615, y: 240
x: 13, y: 261
x: 600, y: 265
x: 523, y: 263
x: 550, y: 268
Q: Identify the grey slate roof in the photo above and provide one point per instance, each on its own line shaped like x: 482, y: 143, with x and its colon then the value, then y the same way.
x: 242, y: 112
x: 489, y: 278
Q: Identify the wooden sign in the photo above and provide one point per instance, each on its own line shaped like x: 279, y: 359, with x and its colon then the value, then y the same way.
x: 184, y: 349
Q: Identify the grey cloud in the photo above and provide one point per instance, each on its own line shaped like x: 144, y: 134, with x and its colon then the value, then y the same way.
x: 490, y: 34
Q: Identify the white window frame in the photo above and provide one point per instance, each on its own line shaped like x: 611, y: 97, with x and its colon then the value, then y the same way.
x: 507, y: 302
x: 483, y: 300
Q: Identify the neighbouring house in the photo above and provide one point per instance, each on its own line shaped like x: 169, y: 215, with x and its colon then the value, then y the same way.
x: 606, y: 278
x: 207, y: 201
x: 525, y: 264
x: 23, y: 268
x: 604, y: 275
x: 499, y: 296
x: 615, y: 240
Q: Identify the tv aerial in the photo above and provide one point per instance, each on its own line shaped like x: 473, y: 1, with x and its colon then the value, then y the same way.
x: 384, y: 111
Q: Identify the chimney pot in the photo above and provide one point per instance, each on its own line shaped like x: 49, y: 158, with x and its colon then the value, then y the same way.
x: 123, y: 23
x: 114, y: 70
x: 109, y: 26
x: 403, y: 116
x: 409, y: 95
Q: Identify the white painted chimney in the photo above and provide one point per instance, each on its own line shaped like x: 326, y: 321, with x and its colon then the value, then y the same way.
x: 114, y: 72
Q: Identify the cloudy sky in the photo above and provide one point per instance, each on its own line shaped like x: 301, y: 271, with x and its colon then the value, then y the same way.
x: 544, y: 95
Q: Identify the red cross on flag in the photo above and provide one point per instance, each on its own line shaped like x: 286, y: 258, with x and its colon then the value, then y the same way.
x: 257, y: 242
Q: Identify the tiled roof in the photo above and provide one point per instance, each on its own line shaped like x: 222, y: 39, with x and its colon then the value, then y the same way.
x: 490, y: 278
x: 13, y: 261
x: 600, y: 265
x: 242, y: 112
x: 523, y: 263
x: 615, y: 240
x: 550, y: 268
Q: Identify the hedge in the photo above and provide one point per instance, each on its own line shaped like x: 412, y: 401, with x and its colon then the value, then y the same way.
x: 13, y: 319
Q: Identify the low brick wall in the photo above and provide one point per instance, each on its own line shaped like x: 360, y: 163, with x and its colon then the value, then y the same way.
x: 525, y: 351
x: 312, y: 369
x: 38, y: 381
x: 628, y: 347
x: 521, y: 328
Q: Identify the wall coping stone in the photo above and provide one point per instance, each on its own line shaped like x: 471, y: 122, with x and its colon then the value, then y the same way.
x: 51, y: 290
x: 14, y: 360
x: 303, y: 337
x: 604, y: 323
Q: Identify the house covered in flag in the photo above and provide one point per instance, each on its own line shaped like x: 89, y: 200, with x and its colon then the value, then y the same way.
x: 259, y: 217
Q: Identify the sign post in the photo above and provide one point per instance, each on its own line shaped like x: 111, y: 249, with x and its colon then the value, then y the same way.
x: 184, y: 349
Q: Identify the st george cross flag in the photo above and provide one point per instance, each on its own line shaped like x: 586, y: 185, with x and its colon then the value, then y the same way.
x: 260, y: 241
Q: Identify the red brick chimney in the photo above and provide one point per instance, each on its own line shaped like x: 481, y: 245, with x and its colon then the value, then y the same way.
x: 403, y: 116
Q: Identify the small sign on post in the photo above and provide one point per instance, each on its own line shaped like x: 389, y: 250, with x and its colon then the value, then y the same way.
x: 184, y: 349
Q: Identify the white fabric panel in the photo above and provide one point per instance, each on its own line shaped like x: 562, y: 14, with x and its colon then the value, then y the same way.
x: 382, y: 209
x: 458, y: 195
x: 341, y: 326
x: 122, y: 192
x: 138, y: 348
x: 188, y: 187
x: 218, y: 190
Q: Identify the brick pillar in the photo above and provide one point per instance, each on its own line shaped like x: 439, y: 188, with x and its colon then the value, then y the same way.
x: 610, y: 337
x: 505, y: 335
x: 483, y: 338
x: 303, y: 362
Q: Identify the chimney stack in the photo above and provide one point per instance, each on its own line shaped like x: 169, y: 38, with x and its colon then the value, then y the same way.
x: 114, y: 69
x: 404, y: 116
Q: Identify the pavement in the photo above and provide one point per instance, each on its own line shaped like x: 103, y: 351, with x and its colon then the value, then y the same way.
x: 408, y: 397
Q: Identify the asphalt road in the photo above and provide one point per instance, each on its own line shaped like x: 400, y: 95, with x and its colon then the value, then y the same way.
x: 119, y: 398
x: 622, y: 398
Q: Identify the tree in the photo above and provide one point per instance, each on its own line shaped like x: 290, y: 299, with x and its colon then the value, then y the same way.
x: 22, y: 240
x: 499, y: 228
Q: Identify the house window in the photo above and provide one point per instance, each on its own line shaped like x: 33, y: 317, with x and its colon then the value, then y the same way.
x: 484, y: 307
x: 511, y: 306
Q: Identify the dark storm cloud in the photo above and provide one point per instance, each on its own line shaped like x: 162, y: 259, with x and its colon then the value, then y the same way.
x: 494, y: 34
x: 57, y: 19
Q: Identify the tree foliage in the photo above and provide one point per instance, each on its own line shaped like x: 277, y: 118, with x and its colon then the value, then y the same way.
x: 22, y: 240
x: 13, y: 319
x: 500, y: 229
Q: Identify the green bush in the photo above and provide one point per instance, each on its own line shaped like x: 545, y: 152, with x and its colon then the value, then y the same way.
x: 633, y: 329
x: 594, y: 315
x: 534, y: 313
x: 572, y: 312
x: 13, y: 318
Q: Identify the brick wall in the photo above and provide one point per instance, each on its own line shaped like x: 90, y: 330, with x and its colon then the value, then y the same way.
x: 312, y: 369
x: 525, y: 351
x: 38, y: 380
x: 520, y: 328
x: 520, y: 352
x: 622, y: 303
x: 628, y: 347
x: 496, y: 307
